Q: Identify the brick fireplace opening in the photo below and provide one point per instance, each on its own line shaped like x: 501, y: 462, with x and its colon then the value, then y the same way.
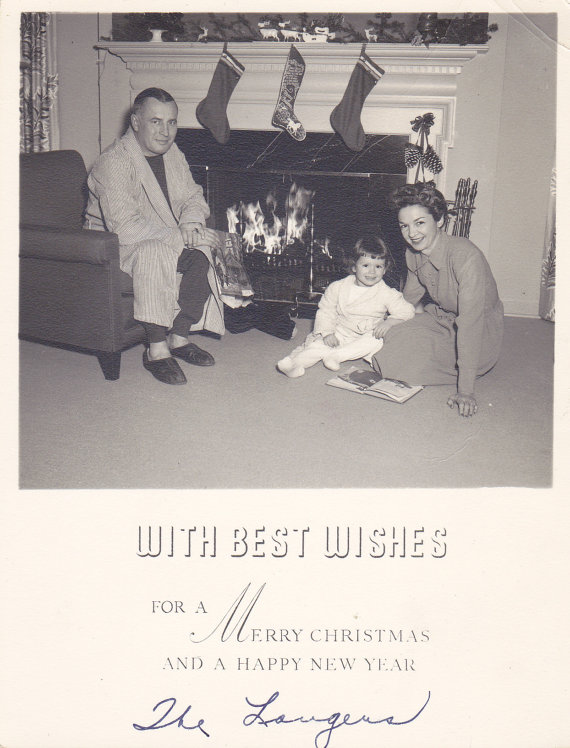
x: 298, y: 206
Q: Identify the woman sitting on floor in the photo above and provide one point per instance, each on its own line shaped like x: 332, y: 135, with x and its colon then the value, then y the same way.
x: 459, y: 336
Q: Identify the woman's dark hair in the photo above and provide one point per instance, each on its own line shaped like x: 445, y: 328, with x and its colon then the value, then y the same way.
x: 420, y: 193
x: 150, y: 93
x: 373, y: 246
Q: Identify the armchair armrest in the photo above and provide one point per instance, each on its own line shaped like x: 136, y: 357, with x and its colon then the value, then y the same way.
x: 80, y: 245
x: 70, y: 288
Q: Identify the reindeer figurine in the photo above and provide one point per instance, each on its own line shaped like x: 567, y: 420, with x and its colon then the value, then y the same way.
x: 290, y: 35
x: 371, y: 35
x: 266, y: 32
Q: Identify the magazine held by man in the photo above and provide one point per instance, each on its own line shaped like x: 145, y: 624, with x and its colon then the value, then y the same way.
x: 368, y: 382
x: 234, y: 284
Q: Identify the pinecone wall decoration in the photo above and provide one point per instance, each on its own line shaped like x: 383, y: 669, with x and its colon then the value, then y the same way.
x: 421, y: 153
x: 431, y: 161
x: 412, y: 155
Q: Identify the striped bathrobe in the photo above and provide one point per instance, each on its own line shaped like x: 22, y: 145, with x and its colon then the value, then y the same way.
x: 125, y: 197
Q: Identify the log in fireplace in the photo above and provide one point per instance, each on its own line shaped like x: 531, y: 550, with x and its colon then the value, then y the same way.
x: 298, y: 206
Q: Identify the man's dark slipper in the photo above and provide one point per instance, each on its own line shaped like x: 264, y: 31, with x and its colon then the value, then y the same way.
x: 166, y: 370
x: 193, y: 355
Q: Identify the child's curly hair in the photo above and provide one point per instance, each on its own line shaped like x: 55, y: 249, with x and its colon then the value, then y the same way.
x: 373, y: 246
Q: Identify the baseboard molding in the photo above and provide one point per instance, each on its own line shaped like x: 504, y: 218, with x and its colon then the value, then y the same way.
x: 522, y: 316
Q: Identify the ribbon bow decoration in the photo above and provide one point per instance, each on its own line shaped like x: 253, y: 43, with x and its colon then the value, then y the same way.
x: 423, y: 123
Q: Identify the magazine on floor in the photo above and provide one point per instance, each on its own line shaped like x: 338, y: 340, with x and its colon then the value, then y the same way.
x: 368, y: 382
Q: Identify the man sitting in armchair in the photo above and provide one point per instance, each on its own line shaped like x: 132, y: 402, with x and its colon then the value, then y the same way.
x: 141, y: 189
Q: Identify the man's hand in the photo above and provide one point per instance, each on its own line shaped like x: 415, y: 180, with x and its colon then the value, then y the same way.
x: 466, y: 404
x: 192, y: 233
x: 331, y: 340
x: 382, y: 327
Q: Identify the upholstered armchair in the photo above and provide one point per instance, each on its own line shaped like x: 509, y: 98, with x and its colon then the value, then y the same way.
x: 72, y: 292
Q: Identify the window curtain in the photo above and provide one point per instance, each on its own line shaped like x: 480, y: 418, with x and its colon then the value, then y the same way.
x: 38, y: 83
x: 548, y: 274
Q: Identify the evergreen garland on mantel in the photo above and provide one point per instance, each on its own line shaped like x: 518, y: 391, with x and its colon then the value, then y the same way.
x: 467, y: 28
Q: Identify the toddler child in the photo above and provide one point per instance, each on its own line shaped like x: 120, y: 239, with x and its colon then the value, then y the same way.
x: 351, y: 316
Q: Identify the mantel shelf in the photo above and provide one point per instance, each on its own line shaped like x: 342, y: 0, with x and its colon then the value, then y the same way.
x: 444, y: 59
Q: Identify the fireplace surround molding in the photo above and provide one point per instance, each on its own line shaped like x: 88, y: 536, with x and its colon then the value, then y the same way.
x: 416, y: 80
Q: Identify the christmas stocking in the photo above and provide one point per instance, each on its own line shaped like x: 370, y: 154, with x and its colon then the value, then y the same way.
x: 211, y: 111
x: 345, y: 117
x: 284, y: 116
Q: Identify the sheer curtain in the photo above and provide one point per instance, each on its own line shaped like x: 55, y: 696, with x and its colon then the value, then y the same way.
x: 548, y: 275
x: 38, y: 83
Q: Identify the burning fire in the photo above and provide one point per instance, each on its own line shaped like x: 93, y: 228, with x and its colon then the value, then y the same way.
x: 325, y: 247
x: 297, y: 205
x: 269, y: 233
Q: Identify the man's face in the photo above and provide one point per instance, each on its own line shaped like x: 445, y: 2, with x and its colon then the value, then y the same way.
x: 155, y: 126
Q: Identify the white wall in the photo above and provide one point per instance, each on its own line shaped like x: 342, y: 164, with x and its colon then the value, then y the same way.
x: 476, y: 141
x: 505, y: 136
x: 78, y: 93
x: 524, y: 163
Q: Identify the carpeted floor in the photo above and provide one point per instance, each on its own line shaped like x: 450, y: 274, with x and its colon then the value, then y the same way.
x: 241, y: 424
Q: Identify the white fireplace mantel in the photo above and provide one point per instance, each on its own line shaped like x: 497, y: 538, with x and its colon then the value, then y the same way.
x: 416, y: 80
x: 444, y: 59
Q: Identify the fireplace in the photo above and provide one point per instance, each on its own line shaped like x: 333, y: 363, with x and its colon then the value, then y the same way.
x: 417, y: 80
x: 298, y: 206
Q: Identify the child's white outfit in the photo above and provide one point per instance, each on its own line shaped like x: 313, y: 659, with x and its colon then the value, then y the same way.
x: 351, y: 312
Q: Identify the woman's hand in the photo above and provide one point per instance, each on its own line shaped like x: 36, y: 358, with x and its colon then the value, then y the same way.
x: 466, y: 404
x: 382, y: 327
x: 331, y: 340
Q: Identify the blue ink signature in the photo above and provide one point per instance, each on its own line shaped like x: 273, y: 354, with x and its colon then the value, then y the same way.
x: 334, y: 721
x: 322, y: 739
x: 178, y: 721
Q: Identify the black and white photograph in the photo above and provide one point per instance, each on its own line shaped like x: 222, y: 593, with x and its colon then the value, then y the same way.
x: 221, y: 211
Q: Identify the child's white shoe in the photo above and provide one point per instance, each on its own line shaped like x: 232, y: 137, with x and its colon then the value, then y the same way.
x: 288, y: 367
